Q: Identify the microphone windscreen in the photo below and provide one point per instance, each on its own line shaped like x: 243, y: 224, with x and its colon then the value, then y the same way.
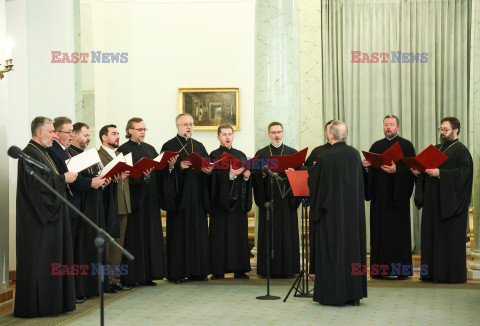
x: 14, y: 152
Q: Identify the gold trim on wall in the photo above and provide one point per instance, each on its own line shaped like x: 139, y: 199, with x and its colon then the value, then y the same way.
x: 202, y: 110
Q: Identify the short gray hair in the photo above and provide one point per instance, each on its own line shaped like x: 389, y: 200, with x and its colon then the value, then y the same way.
x: 339, y: 130
x: 177, y: 119
x: 39, y: 123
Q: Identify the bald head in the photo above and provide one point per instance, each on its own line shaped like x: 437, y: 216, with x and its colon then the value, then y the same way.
x: 338, y: 131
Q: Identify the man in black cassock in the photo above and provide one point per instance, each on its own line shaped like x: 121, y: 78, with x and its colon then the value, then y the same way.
x: 445, y: 194
x: 144, y: 233
x: 285, y: 261
x: 389, y: 189
x: 60, y: 151
x: 43, y: 233
x: 231, y: 193
x: 338, y: 211
x: 187, y: 202
x: 96, y: 209
x: 309, y: 163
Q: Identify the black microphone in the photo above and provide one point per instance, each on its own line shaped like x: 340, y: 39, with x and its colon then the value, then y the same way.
x: 274, y: 175
x: 16, y: 152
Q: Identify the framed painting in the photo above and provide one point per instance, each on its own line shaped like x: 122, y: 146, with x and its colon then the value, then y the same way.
x: 210, y: 107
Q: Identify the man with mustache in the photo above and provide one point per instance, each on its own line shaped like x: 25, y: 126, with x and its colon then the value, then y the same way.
x: 43, y: 232
x: 445, y: 194
x: 187, y: 202
x: 144, y: 233
x: 389, y: 190
x: 284, y: 240
x: 231, y: 201
x: 115, y: 226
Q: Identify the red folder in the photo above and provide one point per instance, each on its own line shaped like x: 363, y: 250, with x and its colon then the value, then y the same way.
x: 394, y: 153
x: 198, y: 162
x: 299, y: 183
x: 120, y: 167
x: 236, y: 164
x: 141, y: 166
x: 165, y: 158
x: 280, y: 163
x: 430, y: 158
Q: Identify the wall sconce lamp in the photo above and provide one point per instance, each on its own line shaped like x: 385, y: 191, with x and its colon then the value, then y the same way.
x: 8, y: 55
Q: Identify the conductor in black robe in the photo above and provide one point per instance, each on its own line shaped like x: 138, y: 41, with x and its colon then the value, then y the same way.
x: 187, y: 202
x: 310, y: 163
x: 338, y: 211
x: 43, y: 233
x: 144, y: 232
x: 445, y: 194
x: 285, y: 261
x: 231, y: 192
x: 389, y: 190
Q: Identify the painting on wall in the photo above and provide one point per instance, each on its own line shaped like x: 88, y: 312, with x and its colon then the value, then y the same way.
x: 210, y: 107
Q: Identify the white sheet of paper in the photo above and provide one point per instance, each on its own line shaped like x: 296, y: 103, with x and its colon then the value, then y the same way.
x: 128, y: 159
x: 159, y: 157
x: 112, y: 163
x: 83, y: 161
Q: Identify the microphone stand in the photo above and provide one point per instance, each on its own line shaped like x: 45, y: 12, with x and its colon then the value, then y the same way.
x: 103, y: 238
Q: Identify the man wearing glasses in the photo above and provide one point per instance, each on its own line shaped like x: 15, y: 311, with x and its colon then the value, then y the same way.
x: 187, y: 202
x: 144, y: 233
x: 445, y: 194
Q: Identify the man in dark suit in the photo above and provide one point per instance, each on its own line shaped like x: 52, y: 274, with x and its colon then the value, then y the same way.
x: 110, y: 138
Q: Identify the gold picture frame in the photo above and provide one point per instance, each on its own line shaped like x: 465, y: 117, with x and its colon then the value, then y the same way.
x: 211, y: 107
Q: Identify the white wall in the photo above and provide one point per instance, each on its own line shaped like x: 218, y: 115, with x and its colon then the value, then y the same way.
x: 36, y: 86
x: 170, y: 46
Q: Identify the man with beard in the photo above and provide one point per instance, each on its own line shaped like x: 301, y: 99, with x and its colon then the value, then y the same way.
x: 43, y: 233
x: 144, y: 233
x: 187, y: 203
x: 94, y: 207
x: 389, y: 189
x: 445, y: 194
x: 231, y: 201
x: 338, y: 212
x: 117, y: 224
x: 285, y: 261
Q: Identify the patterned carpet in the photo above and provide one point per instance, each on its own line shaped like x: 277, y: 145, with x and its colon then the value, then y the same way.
x: 232, y: 302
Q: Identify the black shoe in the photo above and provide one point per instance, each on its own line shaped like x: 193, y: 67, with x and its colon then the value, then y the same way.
x: 175, y: 281
x: 402, y: 277
x: 120, y: 287
x: 241, y: 275
x: 217, y: 277
x: 81, y: 300
x: 198, y: 278
x: 149, y: 283
x: 110, y: 289
x: 354, y: 302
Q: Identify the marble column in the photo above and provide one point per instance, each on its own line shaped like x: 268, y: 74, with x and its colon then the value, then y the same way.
x: 277, y: 88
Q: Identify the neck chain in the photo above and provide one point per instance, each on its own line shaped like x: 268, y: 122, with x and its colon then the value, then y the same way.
x: 183, y: 146
x: 47, y: 157
x: 449, y: 146
x: 270, y: 148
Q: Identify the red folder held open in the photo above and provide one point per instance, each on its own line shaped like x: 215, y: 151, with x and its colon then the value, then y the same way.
x: 394, y: 153
x: 120, y: 167
x: 430, y: 158
x: 199, y: 163
x: 159, y: 163
x: 299, y: 183
x: 236, y: 164
x: 280, y: 163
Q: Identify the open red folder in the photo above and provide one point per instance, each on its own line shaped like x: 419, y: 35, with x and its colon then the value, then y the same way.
x: 158, y: 163
x: 430, y: 158
x: 199, y: 163
x: 280, y: 163
x: 228, y: 160
x: 299, y: 183
x: 116, y: 166
x: 394, y: 153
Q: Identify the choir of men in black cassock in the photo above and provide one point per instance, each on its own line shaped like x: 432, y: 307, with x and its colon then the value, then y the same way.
x: 389, y: 190
x: 231, y: 192
x: 338, y: 213
x: 144, y: 233
x: 285, y: 260
x: 445, y: 194
x: 43, y: 232
x: 187, y: 202
x: 116, y: 219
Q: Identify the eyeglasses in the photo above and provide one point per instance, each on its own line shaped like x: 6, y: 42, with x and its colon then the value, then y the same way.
x: 141, y: 129
x: 66, y: 132
x: 444, y: 129
x: 187, y: 124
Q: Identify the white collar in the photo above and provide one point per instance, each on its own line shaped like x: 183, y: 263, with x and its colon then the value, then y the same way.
x: 110, y: 151
x: 276, y: 145
x: 63, y: 147
x: 392, y: 138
